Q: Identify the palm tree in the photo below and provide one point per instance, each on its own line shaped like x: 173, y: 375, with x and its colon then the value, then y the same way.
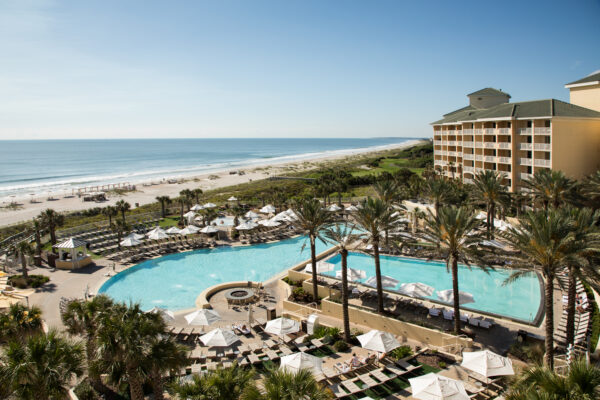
x: 188, y: 197
x: 283, y: 385
x: 120, y: 227
x: 223, y: 383
x: 42, y: 367
x: 454, y: 231
x: 122, y: 206
x: 548, y: 243
x: 311, y: 218
x: 164, y: 202
x: 110, y: 212
x: 83, y: 318
x: 437, y: 191
x: 19, y: 322
x: 581, y: 382
x: 374, y: 216
x: 551, y: 188
x: 488, y: 189
x: 197, y: 192
x: 51, y: 220
x: 37, y: 231
x: 388, y: 191
x: 341, y: 183
x: 342, y: 236
x: 166, y: 355
x: 591, y: 189
x: 22, y: 250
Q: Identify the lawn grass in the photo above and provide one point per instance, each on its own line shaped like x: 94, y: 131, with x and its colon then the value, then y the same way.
x: 168, y: 222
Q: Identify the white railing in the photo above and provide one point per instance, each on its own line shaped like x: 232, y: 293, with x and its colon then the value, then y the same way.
x: 525, y: 131
x: 439, y: 162
x: 437, y: 142
x: 479, y: 145
x: 489, y: 131
x: 467, y: 131
x: 451, y: 132
x: 542, y: 163
x: 467, y: 144
x: 443, y: 152
x: 504, y: 131
x: 505, y: 160
x: 478, y: 131
x: 451, y: 143
x: 468, y: 156
x: 504, y: 145
x: 452, y: 153
x: 467, y: 180
x: 478, y: 158
x: 542, y: 146
x: 525, y: 175
x: 489, y: 145
x: 525, y: 146
x: 526, y: 161
x: 468, y: 169
x: 490, y: 158
x: 542, y: 131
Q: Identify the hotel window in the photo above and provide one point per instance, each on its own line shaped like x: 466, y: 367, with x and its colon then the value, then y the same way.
x: 529, y: 169
x: 494, y: 125
x: 547, y: 124
x: 547, y: 139
x: 528, y: 154
x: 508, y: 169
x: 508, y: 124
x: 529, y: 139
x: 529, y: 124
x: 509, y: 139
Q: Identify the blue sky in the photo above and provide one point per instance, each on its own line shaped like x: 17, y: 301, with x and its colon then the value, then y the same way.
x: 108, y: 69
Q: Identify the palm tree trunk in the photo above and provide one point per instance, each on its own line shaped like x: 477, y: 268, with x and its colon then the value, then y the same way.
x: 157, y: 385
x: 162, y: 209
x: 123, y: 214
x: 38, y: 243
x: 491, y: 213
x: 24, y: 266
x: 549, y: 304
x: 345, y: 315
x: 52, y: 235
x: 456, y: 295
x: 313, y: 259
x: 572, y: 291
x: 109, y: 220
x: 136, y: 390
x: 378, y: 275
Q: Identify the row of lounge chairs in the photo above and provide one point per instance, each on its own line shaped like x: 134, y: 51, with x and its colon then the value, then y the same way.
x: 90, y: 234
x: 582, y: 315
x: 448, y: 314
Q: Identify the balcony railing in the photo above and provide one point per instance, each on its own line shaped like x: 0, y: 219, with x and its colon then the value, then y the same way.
x: 526, y: 161
x: 452, y: 132
x: 468, y: 169
x: 468, y: 156
x: 525, y: 146
x: 439, y: 162
x: 489, y: 145
x: 451, y: 143
x: 467, y: 180
x: 478, y: 131
x: 443, y: 152
x: 478, y: 158
x: 467, y: 131
x: 525, y: 175
x: 467, y: 144
x: 504, y: 145
x: 525, y: 131
x: 504, y: 131
x: 452, y: 153
x: 490, y: 158
x: 489, y: 131
x: 542, y: 131
x: 505, y: 160
x: 479, y: 145
x: 542, y: 163
x: 542, y: 146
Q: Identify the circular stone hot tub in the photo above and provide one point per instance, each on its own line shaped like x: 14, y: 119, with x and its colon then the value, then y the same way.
x: 240, y: 295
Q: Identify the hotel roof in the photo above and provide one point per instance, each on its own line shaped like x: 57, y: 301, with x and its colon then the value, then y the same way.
x: 522, y: 110
x: 489, y: 92
x: 593, y: 79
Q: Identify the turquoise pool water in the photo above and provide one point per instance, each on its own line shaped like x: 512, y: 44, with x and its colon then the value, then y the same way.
x: 520, y: 300
x: 175, y: 281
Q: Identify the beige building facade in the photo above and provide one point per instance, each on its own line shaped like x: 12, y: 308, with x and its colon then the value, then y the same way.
x: 516, y: 139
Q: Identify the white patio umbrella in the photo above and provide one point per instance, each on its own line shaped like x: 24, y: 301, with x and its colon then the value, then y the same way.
x: 219, y: 338
x: 189, y: 230
x: 209, y: 205
x: 291, y: 214
x: 246, y: 226
x: 447, y: 296
x: 487, y: 363
x: 334, y: 208
x: 199, y: 218
x: 202, y: 317
x: 268, y: 209
x: 173, y: 230
x: 232, y: 198
x: 209, y: 229
x: 352, y: 208
x: 437, y: 387
x: 299, y: 361
x: 133, y: 235
x: 158, y: 228
x: 196, y: 207
x: 386, y: 281
x: 164, y: 313
x: 189, y: 214
x: 322, y: 266
x: 251, y: 214
x: 353, y: 274
x: 416, y: 289
x: 269, y: 223
x: 380, y: 341
x: 130, y: 242
x: 158, y: 235
x: 282, y: 326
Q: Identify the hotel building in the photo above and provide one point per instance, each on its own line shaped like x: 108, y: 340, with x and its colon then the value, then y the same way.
x: 520, y: 138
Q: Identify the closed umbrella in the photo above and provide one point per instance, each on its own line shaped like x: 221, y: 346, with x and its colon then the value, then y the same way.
x: 210, y: 205
x: 130, y: 242
x: 487, y: 363
x: 173, y: 230
x: 416, y: 289
x: 298, y: 361
x: 322, y: 266
x: 447, y: 296
x: 164, y: 313
x: 353, y: 274
x: 386, y: 281
x: 219, y: 338
x: 437, y: 387
x: 196, y: 207
x: 202, y: 317
x: 209, y: 229
x: 189, y: 230
x: 380, y: 341
x: 251, y: 214
x: 282, y: 326
x: 268, y: 209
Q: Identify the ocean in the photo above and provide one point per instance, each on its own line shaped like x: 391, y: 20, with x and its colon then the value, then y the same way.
x: 42, y: 166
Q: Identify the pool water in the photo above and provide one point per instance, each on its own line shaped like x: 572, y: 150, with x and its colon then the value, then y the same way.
x: 175, y: 281
x: 519, y: 300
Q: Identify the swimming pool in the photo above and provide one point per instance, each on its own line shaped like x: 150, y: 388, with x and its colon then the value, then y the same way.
x: 519, y: 300
x: 175, y: 281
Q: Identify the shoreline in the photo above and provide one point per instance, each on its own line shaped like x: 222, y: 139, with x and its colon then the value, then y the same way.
x: 146, y: 193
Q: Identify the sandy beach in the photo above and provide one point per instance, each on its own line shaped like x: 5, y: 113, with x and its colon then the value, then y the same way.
x: 146, y: 193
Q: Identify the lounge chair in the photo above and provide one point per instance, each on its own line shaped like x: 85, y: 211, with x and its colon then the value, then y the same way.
x: 407, y: 366
x: 448, y: 314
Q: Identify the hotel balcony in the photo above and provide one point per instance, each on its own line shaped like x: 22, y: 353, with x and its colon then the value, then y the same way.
x: 451, y: 132
x: 468, y: 169
x: 478, y: 158
x: 525, y: 146
x: 542, y: 131
x: 478, y: 131
x: 489, y: 131
x: 467, y: 131
x: 504, y: 160
x: 489, y: 145
x: 437, y: 142
x: 467, y: 144
x: 526, y: 161
x: 442, y: 152
x: 542, y: 146
x: 479, y: 145
x: 467, y: 156
x: 451, y: 143
x: 525, y: 131
x: 467, y: 180
x: 542, y: 163
x: 490, y: 158
x: 452, y: 153
x: 504, y: 145
x: 504, y: 131
x: 439, y: 162
x: 526, y: 176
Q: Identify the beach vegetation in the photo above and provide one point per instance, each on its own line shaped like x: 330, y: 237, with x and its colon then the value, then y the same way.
x: 51, y: 220
x: 29, y: 281
x: 18, y: 322
x: 122, y: 206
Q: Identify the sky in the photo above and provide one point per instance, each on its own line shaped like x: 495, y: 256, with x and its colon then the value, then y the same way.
x: 334, y: 68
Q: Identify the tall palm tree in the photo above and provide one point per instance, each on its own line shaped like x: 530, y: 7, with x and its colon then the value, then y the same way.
x: 83, y: 318
x: 21, y: 251
x: 164, y: 202
x: 120, y: 227
x: 548, y: 243
x: 388, y: 191
x: 51, y: 220
x: 197, y: 192
x: 122, y: 206
x: 454, y: 231
x: 166, y: 355
x: 37, y: 231
x: 581, y: 382
x: 282, y: 385
x: 591, y: 189
x: 188, y: 197
x: 437, y: 191
x: 223, y: 383
x: 42, y: 367
x: 489, y: 190
x: 375, y: 216
x: 20, y: 322
x: 343, y: 236
x: 110, y: 212
x: 341, y: 183
x: 551, y: 188
x: 311, y: 218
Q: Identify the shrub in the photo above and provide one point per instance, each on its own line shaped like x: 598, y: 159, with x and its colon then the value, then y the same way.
x: 84, y: 391
x: 442, y: 364
x: 32, y: 281
x: 401, y: 352
x: 341, y: 346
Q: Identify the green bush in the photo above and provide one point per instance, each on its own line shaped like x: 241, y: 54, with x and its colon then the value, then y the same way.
x: 341, y: 346
x: 84, y: 391
x: 401, y: 352
x: 32, y: 281
x: 323, y: 331
x: 442, y: 364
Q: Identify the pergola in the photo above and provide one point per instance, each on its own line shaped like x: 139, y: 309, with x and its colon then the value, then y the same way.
x: 77, y: 251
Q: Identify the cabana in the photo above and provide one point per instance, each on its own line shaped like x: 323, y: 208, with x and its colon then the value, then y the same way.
x: 72, y: 254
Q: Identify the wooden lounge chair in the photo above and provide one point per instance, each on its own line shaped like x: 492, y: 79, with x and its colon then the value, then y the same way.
x: 351, y: 387
x: 407, y: 366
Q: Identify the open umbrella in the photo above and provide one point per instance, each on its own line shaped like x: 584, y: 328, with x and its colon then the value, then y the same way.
x: 130, y: 242
x: 133, y: 235
x: 487, y: 363
x: 352, y: 209
x: 353, y: 274
x: 209, y: 229
x: 157, y: 234
x: 299, y: 361
x: 334, y: 208
x: 246, y: 226
x: 270, y: 223
x: 196, y: 207
x: 386, y: 281
x: 268, y: 209
x: 209, y: 205
x: 380, y: 341
x: 416, y: 289
x: 282, y: 326
x: 447, y: 296
x: 173, y: 230
x: 251, y: 214
x: 164, y: 313
x: 189, y: 214
x: 437, y: 387
x: 322, y: 266
x: 219, y: 338
x: 189, y: 230
x: 232, y: 198
x: 202, y: 317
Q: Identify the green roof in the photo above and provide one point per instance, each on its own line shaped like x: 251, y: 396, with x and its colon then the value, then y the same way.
x: 489, y: 92
x: 593, y: 78
x: 521, y: 110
